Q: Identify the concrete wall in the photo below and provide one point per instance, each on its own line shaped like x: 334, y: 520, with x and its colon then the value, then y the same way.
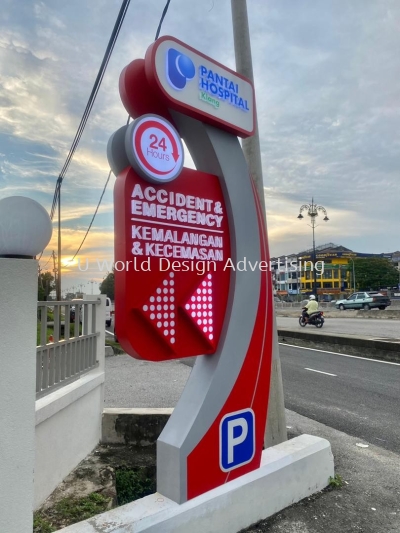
x: 68, y: 428
x: 347, y: 344
x: 68, y: 422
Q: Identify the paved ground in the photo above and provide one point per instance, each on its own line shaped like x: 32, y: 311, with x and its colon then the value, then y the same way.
x: 368, y: 502
x: 348, y: 326
x: 133, y: 383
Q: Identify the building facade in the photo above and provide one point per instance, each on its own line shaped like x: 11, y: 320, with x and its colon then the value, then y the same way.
x: 333, y: 265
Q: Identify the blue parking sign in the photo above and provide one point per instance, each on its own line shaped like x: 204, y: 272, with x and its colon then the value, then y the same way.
x: 236, y: 439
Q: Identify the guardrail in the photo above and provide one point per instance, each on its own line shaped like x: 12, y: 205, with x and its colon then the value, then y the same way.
x: 70, y: 350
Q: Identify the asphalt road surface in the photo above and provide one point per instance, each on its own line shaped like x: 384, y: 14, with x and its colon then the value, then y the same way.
x: 359, y: 397
x: 360, y: 327
x: 356, y: 396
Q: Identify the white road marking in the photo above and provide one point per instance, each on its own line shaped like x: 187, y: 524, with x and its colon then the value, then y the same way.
x: 320, y: 372
x: 341, y: 354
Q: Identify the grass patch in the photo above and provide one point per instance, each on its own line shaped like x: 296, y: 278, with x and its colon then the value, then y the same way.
x: 115, y: 345
x: 49, y: 332
x: 336, y: 482
x: 69, y: 511
x: 41, y: 525
x: 132, y: 484
x: 74, y: 510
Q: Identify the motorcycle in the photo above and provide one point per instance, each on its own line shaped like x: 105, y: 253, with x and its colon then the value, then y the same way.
x: 316, y: 319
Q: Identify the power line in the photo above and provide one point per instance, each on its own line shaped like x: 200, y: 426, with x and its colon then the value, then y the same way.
x: 94, y: 215
x: 97, y: 208
x: 109, y: 175
x: 162, y: 19
x: 92, y: 98
x: 48, y: 261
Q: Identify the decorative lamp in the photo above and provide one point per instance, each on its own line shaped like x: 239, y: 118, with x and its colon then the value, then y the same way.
x: 25, y: 227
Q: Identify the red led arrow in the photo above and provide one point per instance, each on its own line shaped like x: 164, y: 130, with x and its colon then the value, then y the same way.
x: 160, y: 310
x: 199, y: 308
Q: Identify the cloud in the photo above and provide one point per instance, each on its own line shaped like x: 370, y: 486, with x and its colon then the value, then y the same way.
x: 327, y: 81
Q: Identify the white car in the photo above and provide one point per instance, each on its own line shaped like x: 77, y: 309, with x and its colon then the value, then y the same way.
x: 108, y: 312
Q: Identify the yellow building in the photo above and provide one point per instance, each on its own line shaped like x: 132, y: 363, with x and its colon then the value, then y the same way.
x: 333, y: 274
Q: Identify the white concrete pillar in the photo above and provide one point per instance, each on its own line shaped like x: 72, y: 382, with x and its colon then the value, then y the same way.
x: 100, y: 326
x: 25, y: 230
x: 18, y: 319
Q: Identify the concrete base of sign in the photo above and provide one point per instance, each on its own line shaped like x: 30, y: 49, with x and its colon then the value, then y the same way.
x: 288, y: 473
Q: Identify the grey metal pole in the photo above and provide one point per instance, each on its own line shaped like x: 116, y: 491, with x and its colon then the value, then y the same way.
x: 275, y: 432
x: 315, y: 290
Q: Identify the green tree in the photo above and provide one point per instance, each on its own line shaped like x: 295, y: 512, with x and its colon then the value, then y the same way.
x: 45, y: 285
x: 374, y: 273
x: 70, y: 296
x: 107, y: 285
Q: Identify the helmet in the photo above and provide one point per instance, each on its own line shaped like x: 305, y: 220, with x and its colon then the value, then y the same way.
x: 312, y: 297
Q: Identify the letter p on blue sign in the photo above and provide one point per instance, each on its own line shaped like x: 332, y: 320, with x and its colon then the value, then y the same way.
x: 236, y: 439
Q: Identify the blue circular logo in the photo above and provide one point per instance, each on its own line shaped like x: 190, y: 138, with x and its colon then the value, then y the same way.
x: 179, y: 69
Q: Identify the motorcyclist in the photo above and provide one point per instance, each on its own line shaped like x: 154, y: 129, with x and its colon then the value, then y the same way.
x: 310, y: 307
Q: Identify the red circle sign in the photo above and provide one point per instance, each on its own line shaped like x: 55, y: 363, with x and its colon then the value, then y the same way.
x: 154, y: 149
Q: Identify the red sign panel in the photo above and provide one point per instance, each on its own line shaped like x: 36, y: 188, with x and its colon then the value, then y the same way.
x: 172, y: 244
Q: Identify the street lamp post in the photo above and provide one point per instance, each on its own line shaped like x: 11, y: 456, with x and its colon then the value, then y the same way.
x: 354, y: 275
x: 312, y: 211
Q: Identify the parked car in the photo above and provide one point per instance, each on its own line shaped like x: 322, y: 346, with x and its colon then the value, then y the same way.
x: 364, y: 300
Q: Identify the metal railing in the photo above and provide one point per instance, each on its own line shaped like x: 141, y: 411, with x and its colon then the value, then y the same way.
x: 66, y: 345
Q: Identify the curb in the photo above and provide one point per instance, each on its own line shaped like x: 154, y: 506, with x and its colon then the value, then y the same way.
x: 109, y: 351
x: 133, y: 426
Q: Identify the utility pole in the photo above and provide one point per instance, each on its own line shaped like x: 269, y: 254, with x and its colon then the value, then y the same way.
x: 58, y: 284
x: 53, y: 255
x: 40, y: 277
x: 275, y: 432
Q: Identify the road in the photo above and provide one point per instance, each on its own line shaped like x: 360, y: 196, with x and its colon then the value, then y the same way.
x: 378, y: 328
x: 359, y: 397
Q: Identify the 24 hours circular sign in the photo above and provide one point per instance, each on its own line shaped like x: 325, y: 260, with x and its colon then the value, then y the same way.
x: 154, y: 149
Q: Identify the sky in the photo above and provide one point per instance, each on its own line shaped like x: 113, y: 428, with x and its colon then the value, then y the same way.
x: 327, y: 80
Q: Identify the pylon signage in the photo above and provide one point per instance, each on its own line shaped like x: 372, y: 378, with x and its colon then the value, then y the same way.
x: 174, y: 240
x: 178, y: 234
